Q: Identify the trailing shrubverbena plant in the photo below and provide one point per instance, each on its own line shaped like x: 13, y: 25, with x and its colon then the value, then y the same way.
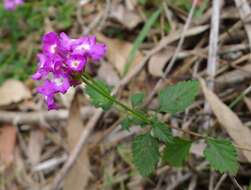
x: 62, y: 64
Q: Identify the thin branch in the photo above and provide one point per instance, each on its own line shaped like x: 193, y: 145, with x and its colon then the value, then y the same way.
x: 223, y: 177
x: 236, y: 183
x: 212, y: 53
x: 38, y: 116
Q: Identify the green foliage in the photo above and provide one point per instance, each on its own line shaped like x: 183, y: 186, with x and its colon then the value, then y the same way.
x: 26, y: 25
x: 222, y: 155
x: 143, y: 2
x: 126, y: 123
x: 184, y: 4
x: 162, y: 132
x: 145, y: 151
x: 140, y: 38
x: 64, y: 18
x: 130, y: 120
x: 200, y: 10
x: 187, y: 5
x: 137, y: 99
x: 97, y: 99
x: 177, y: 98
x: 176, y: 152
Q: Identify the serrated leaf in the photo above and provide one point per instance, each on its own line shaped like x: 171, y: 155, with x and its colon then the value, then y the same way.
x: 162, y: 132
x: 222, y: 155
x: 137, y: 99
x: 97, y: 99
x: 176, y: 152
x: 177, y: 98
x: 145, y: 150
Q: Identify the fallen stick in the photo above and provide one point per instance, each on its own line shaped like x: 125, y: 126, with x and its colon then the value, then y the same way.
x: 39, y: 116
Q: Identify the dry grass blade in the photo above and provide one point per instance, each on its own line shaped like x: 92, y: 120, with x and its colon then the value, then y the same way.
x: 229, y: 120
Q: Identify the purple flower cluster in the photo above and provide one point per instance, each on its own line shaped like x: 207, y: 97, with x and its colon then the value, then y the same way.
x: 62, y: 61
x: 11, y: 5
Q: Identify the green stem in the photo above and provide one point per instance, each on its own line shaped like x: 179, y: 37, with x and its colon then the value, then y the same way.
x: 93, y: 84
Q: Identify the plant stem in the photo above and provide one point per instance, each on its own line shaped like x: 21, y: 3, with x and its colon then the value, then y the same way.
x: 93, y: 84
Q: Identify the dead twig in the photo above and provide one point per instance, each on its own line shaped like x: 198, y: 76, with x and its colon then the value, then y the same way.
x: 37, y: 116
x: 236, y: 183
x: 212, y: 54
x: 223, y: 177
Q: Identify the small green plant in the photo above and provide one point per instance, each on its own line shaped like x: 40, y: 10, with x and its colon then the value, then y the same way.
x: 25, y: 25
x: 221, y: 154
x: 157, y: 142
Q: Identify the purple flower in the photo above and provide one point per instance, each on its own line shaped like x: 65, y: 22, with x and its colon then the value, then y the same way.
x: 48, y: 91
x: 62, y: 61
x: 50, y: 43
x: 76, y: 62
x: 11, y: 5
x: 66, y: 42
x: 41, y: 69
x: 87, y: 45
x: 61, y: 83
x: 50, y: 102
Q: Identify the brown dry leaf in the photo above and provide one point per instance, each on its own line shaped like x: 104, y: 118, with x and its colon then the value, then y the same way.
x: 229, y: 120
x: 107, y: 73
x: 158, y: 61
x: 248, y: 103
x: 13, y: 91
x: 7, y: 144
x: 129, y: 18
x: 118, y: 52
x: 35, y: 146
x: 79, y: 175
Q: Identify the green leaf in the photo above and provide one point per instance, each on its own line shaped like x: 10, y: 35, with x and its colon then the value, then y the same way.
x: 97, y: 99
x: 177, y: 98
x: 137, y: 99
x: 199, y: 11
x: 162, y: 132
x: 222, y: 155
x: 176, y: 152
x: 145, y: 150
x: 126, y: 123
x: 130, y: 120
x: 140, y: 38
